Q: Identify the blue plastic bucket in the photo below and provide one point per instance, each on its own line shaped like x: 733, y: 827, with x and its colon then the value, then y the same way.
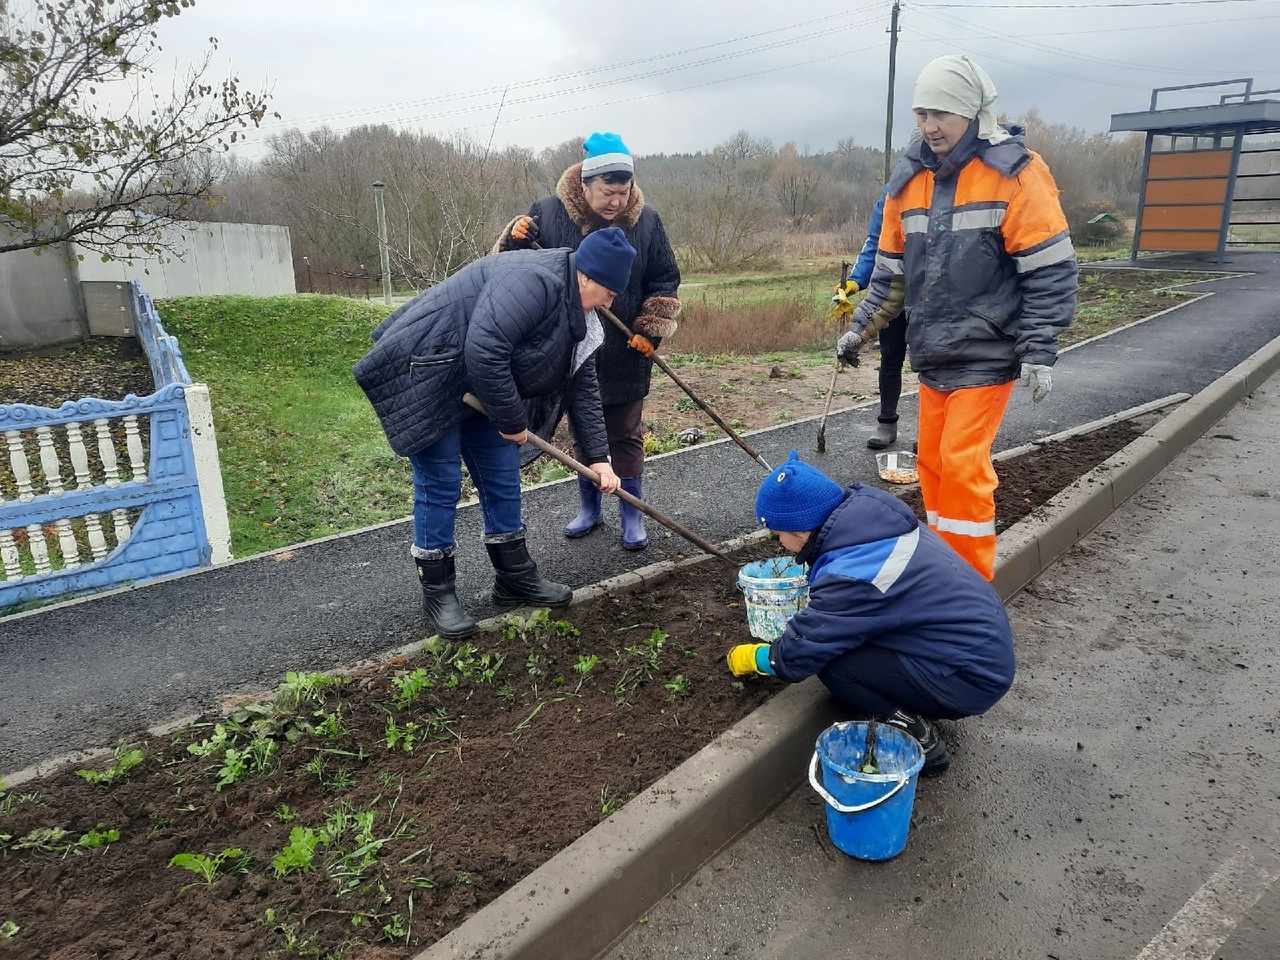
x: 868, y: 814
x: 774, y: 590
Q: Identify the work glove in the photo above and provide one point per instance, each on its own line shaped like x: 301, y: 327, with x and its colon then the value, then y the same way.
x: 749, y: 658
x: 1039, y: 378
x: 523, y: 232
x: 844, y: 291
x: 840, y: 305
x: 641, y: 343
x: 847, y: 347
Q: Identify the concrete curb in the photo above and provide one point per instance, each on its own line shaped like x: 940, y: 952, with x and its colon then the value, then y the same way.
x: 582, y: 900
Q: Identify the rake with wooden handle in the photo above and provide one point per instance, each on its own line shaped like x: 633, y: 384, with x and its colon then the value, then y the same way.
x: 555, y: 453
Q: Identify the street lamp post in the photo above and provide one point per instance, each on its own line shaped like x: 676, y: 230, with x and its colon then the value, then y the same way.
x: 384, y: 248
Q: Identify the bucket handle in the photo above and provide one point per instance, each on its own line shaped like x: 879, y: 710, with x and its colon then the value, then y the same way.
x: 836, y: 804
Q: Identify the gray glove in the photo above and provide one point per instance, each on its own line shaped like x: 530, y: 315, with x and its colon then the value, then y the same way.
x: 1039, y: 378
x: 847, y: 347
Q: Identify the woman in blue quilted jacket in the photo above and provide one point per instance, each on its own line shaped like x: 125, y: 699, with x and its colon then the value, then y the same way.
x: 520, y: 333
x: 898, y: 626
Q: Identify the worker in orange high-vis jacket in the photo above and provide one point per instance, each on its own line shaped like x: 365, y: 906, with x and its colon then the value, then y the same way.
x: 975, y: 248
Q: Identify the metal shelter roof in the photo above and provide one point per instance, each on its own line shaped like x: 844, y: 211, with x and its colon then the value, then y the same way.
x: 1243, y: 111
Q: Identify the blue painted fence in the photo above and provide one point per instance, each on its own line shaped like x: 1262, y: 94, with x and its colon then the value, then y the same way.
x: 100, y: 494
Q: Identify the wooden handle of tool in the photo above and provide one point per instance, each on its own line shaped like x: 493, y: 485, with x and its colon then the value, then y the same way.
x: 582, y: 470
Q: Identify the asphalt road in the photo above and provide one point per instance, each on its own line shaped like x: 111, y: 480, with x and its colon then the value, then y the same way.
x: 85, y: 674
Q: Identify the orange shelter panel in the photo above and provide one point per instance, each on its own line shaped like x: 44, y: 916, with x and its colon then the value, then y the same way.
x: 1198, y: 163
x: 1206, y: 241
x: 1186, y: 191
x: 1182, y: 218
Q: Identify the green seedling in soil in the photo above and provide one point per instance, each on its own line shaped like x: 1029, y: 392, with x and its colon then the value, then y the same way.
x: 330, y: 726
x: 11, y: 801
x: 335, y: 782
x: 100, y: 836
x: 348, y: 870
x: 126, y: 760
x: 608, y: 801
x: 242, y: 763
x: 299, y: 854
x: 410, y: 686
x: 507, y: 692
x: 400, y: 737
x: 285, y: 814
x: 8, y: 930
x: 211, y: 745
x: 474, y: 666
x: 302, y: 689
x: 536, y: 665
x: 212, y: 867
x: 679, y: 685
x: 649, y: 650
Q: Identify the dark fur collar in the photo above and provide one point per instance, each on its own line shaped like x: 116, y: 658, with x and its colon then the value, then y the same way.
x: 569, y: 192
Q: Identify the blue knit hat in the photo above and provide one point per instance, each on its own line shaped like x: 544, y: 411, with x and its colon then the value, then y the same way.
x: 606, y: 257
x: 605, y: 153
x: 796, y: 498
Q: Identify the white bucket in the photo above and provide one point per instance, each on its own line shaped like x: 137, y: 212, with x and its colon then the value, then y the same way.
x: 774, y: 590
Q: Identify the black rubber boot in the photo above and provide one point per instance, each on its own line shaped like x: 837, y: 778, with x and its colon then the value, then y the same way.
x: 886, y: 433
x: 516, y: 579
x: 440, y: 598
x: 633, y: 535
x: 936, y: 758
x: 588, y: 517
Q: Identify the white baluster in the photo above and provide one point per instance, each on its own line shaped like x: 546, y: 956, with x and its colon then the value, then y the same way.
x: 9, y: 556
x: 39, y: 548
x: 80, y: 463
x: 18, y: 464
x: 133, y: 441
x: 53, y: 482
x: 107, y: 451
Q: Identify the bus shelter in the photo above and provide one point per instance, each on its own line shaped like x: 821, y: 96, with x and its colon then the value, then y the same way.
x: 1208, y: 180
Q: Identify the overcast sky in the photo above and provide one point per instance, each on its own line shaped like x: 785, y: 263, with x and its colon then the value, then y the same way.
x: 684, y: 75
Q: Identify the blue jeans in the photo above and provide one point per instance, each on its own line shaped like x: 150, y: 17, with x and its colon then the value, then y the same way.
x: 494, y: 465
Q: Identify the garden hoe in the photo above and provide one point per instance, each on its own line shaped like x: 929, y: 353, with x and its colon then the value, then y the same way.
x: 839, y: 312
x: 662, y: 364
x: 557, y: 454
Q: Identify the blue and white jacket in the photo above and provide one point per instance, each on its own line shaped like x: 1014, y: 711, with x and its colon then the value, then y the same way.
x: 880, y: 576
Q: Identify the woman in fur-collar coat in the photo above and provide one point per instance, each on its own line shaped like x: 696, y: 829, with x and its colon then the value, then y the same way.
x: 601, y: 192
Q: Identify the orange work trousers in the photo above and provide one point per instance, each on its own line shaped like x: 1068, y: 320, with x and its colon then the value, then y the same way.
x: 957, y: 480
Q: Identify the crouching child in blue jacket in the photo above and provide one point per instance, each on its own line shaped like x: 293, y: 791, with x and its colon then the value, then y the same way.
x: 899, y: 626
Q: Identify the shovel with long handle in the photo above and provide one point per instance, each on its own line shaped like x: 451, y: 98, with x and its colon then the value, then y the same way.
x: 555, y: 453
x: 662, y: 365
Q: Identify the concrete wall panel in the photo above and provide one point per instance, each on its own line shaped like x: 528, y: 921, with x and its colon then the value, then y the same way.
x: 39, y: 299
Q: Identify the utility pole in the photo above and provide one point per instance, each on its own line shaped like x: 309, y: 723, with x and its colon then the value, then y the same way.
x: 888, y: 116
x: 385, y: 250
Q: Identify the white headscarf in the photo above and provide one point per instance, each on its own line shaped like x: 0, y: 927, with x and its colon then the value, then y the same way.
x: 956, y: 84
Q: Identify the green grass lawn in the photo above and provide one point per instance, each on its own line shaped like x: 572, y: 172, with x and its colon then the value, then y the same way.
x: 303, y: 455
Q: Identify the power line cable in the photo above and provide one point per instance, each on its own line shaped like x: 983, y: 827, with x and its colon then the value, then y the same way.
x: 1081, y: 6
x: 522, y: 84
x: 1022, y: 41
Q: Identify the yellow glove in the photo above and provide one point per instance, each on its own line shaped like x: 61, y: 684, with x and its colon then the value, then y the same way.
x: 845, y: 290
x: 840, y: 305
x: 748, y: 658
